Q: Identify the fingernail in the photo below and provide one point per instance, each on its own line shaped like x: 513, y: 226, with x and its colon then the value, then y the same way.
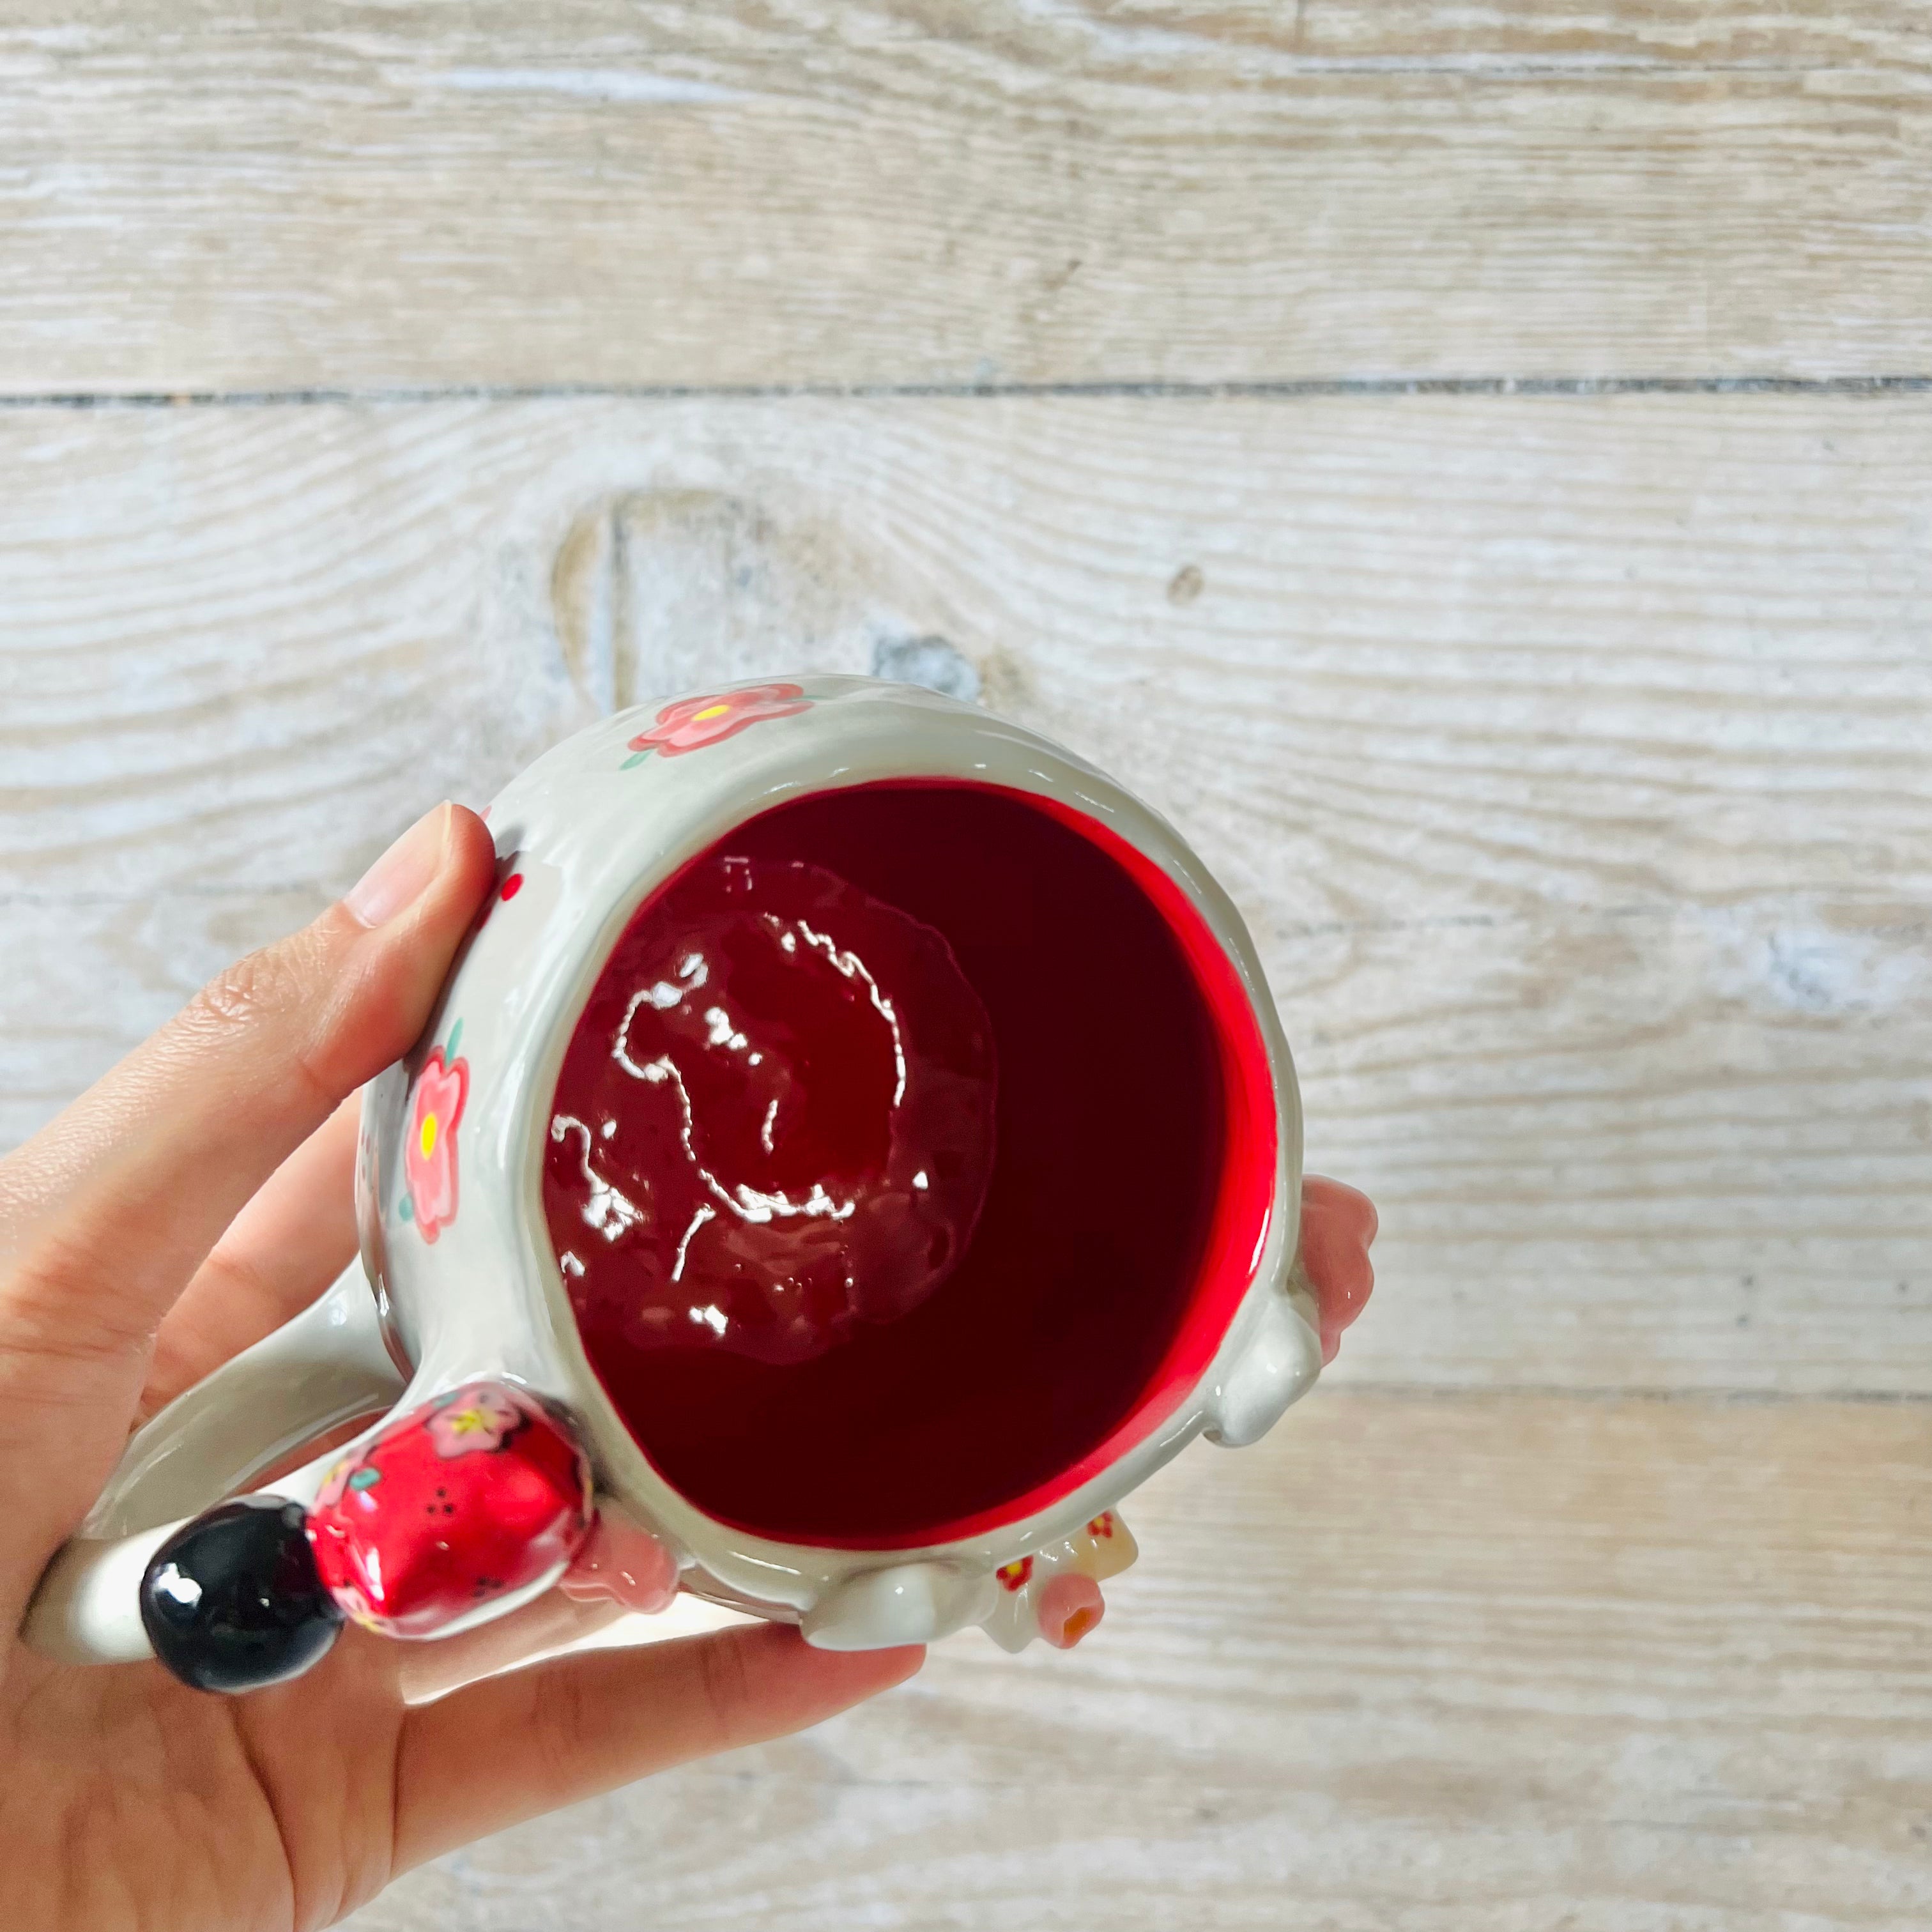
x: 403, y: 874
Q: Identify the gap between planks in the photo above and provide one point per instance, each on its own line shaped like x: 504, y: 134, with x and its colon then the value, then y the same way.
x: 1579, y: 806
x: 1402, y: 1666
x: 1153, y: 388
x: 1338, y: 1386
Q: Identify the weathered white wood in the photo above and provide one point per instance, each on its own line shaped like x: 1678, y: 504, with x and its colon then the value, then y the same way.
x: 229, y: 198
x: 1806, y: 35
x: 1568, y: 756
x: 1609, y: 1152
x: 1413, y: 1664
x: 1389, y: 659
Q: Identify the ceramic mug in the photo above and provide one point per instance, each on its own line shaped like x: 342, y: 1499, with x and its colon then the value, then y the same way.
x: 1155, y: 1289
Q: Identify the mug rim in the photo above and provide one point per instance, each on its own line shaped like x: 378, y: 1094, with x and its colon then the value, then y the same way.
x: 891, y: 734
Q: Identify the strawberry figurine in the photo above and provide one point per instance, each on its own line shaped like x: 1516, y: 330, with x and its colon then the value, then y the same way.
x: 474, y: 1495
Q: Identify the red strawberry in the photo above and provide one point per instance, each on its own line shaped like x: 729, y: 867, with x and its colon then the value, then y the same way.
x: 474, y: 1495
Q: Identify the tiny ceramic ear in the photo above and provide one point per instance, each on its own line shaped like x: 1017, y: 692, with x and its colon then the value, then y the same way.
x: 905, y: 1603
x: 1280, y: 1356
x: 475, y: 1500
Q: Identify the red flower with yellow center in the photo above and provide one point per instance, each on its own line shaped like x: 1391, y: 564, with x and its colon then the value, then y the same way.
x: 475, y: 1419
x: 692, y: 723
x: 429, y: 1153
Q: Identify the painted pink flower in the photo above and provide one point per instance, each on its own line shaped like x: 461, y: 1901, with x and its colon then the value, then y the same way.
x: 473, y: 1420
x: 429, y: 1153
x: 693, y: 722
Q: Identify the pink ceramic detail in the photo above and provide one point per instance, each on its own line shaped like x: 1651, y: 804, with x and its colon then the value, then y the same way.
x: 1338, y: 1223
x: 1069, y: 1606
x: 623, y: 1563
x: 1055, y: 1593
x: 429, y: 1153
x: 695, y: 722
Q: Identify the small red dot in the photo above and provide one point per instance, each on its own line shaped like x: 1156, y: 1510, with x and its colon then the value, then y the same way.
x: 511, y: 886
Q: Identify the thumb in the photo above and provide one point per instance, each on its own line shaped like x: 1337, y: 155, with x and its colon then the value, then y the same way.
x: 105, y: 1214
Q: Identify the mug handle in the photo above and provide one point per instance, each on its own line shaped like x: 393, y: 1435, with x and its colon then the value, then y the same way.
x: 325, y: 1367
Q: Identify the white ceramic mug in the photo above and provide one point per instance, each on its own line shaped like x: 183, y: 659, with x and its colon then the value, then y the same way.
x: 469, y: 1343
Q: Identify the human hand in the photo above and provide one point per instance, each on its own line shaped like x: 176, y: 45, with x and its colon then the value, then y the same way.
x: 191, y: 1202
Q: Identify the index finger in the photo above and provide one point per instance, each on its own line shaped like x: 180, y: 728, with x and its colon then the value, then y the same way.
x: 578, y: 1725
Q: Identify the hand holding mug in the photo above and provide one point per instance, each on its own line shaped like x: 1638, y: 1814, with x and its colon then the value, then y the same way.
x: 854, y: 1151
x: 1142, y: 1261
x: 195, y: 1198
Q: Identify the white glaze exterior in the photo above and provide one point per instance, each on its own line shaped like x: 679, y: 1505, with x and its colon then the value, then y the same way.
x: 594, y: 831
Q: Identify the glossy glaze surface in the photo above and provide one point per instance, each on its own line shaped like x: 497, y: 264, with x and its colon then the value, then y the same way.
x: 774, y: 1124
x: 1112, y: 1129
x: 232, y: 1601
x: 1027, y: 1408
x: 451, y: 1507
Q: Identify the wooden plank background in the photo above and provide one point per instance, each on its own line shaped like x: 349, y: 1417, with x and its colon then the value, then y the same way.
x: 947, y: 191
x: 1469, y: 466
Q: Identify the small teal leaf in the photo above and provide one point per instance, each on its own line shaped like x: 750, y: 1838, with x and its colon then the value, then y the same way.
x: 635, y: 758
x: 455, y: 1041
x: 365, y: 1479
x: 406, y: 1209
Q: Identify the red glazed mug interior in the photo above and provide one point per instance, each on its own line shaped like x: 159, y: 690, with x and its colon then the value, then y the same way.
x: 1128, y: 1204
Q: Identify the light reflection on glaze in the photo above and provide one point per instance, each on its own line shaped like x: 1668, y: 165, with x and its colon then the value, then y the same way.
x: 776, y: 1114
x: 746, y: 1202
x: 605, y: 1209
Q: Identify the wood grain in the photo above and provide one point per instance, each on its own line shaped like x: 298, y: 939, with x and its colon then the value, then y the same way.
x: 1606, y: 1151
x: 1414, y: 1663
x: 1567, y: 751
x: 1438, y: 657
x: 223, y: 200
x: 1567, y: 756
x: 1806, y: 36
